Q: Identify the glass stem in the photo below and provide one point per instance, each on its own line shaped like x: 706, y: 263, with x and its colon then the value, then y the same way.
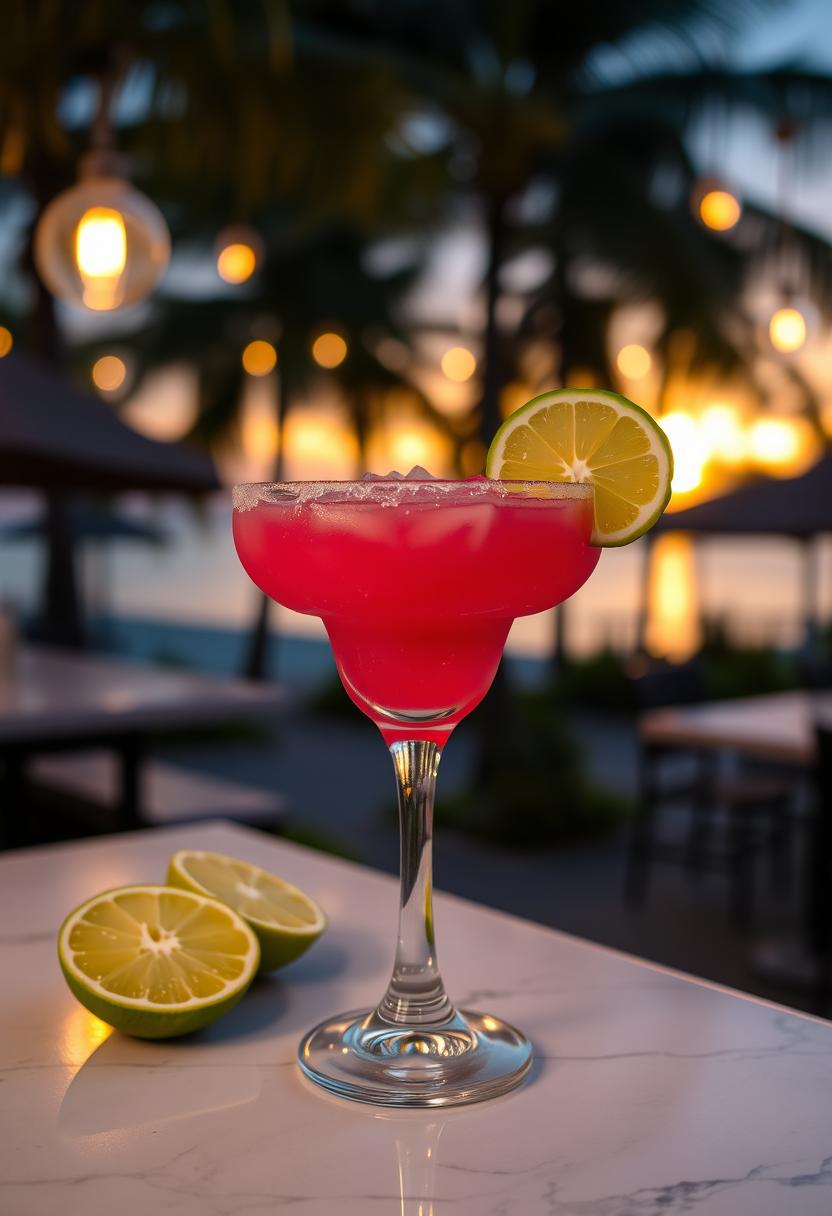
x: 416, y: 995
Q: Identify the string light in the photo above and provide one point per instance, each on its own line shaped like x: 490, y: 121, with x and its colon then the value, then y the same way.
x: 458, y: 364
x: 719, y: 210
x: 787, y: 330
x: 259, y: 358
x: 109, y: 373
x: 6, y: 341
x: 239, y: 252
x: 329, y: 350
x: 634, y: 361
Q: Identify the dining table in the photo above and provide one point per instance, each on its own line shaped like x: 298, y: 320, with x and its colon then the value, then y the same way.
x: 651, y: 1092
x: 777, y: 729
x: 54, y: 700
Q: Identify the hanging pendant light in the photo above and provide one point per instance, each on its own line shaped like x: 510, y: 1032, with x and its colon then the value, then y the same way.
x: 102, y: 244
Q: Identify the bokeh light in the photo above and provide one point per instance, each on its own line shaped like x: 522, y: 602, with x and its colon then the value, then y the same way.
x: 412, y: 445
x: 329, y: 350
x: 724, y: 434
x: 6, y: 341
x: 719, y: 210
x: 782, y: 445
x: 787, y: 330
x: 259, y: 358
x: 514, y: 395
x: 634, y: 361
x: 260, y: 434
x: 236, y: 263
x: 458, y: 364
x: 109, y: 373
x: 319, y: 443
x: 690, y: 453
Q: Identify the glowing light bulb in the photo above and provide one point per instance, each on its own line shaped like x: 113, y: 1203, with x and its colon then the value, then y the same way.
x: 458, y: 363
x: 109, y: 373
x: 787, y: 330
x: 6, y: 341
x: 329, y: 350
x: 719, y: 210
x: 259, y: 358
x: 101, y: 256
x: 634, y: 361
x: 101, y: 244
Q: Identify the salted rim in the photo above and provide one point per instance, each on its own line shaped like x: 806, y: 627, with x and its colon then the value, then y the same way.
x: 247, y: 495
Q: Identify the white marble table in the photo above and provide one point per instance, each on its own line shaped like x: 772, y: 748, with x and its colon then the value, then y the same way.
x: 652, y: 1094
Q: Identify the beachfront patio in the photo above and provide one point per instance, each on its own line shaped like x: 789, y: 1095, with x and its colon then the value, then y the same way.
x: 343, y: 348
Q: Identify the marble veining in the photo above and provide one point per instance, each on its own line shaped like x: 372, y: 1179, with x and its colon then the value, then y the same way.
x: 651, y: 1094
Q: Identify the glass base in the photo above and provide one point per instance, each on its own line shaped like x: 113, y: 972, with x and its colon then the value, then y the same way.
x: 365, y: 1058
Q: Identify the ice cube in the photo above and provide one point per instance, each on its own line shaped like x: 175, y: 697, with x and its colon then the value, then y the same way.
x: 417, y: 473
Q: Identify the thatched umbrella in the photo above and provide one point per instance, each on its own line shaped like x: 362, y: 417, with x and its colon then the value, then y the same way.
x: 797, y: 507
x: 55, y: 438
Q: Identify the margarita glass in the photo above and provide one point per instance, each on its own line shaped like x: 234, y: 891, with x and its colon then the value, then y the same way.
x: 417, y: 582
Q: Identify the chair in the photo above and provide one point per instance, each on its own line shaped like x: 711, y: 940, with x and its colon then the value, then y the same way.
x: 751, y: 805
x: 819, y: 873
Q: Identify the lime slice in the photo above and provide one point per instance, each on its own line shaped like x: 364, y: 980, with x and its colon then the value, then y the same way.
x: 285, y: 920
x: 574, y: 434
x: 157, y: 962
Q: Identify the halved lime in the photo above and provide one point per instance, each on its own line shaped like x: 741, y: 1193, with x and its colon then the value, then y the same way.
x: 575, y: 434
x: 157, y: 962
x: 285, y: 920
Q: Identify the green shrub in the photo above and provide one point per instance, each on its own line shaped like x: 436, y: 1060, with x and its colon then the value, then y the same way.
x: 539, y: 794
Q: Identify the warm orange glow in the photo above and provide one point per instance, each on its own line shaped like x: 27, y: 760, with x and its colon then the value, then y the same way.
x: 689, y: 450
x: 412, y: 445
x: 719, y: 210
x: 672, y: 612
x: 458, y: 364
x: 319, y: 445
x: 329, y: 350
x: 101, y: 256
x: 782, y: 445
x: 259, y: 430
x: 109, y: 373
x: 81, y: 1034
x: 259, y: 358
x: 236, y: 262
x: 787, y: 330
x: 723, y: 433
x: 513, y: 396
x: 634, y: 361
x: 6, y: 341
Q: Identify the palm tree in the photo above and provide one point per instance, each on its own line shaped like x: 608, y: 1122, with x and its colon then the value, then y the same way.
x: 196, y: 94
x: 312, y: 276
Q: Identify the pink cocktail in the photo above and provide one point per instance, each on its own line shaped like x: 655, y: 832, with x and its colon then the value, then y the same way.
x: 417, y: 583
